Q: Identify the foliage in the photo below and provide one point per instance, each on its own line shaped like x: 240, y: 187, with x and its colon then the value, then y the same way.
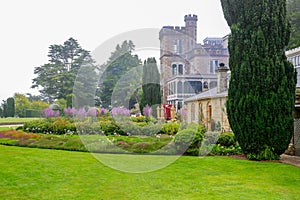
x: 62, y: 103
x: 85, y: 87
x: 170, y: 128
x: 29, y: 107
x: 58, y: 125
x: 55, y: 79
x: 226, y: 139
x: 218, y: 149
x: 151, y: 84
x: 261, y: 95
x: 21, y: 103
x: 120, y: 62
x: 189, y: 140
x: 10, y: 107
x: 293, y: 10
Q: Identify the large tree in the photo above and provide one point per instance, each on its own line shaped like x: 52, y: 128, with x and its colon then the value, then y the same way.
x: 22, y: 104
x: 120, y: 62
x: 261, y: 93
x: 151, y: 83
x: 56, y: 78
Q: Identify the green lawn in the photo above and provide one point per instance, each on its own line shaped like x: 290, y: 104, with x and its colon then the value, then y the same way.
x: 12, y: 120
x: 29, y: 173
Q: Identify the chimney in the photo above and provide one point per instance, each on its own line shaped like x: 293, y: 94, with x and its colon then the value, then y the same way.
x: 222, y: 78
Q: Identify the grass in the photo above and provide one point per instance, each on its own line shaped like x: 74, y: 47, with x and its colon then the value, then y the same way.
x: 13, y: 120
x: 29, y: 173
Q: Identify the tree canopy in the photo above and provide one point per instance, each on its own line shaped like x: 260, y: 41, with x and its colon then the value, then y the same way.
x: 120, y: 62
x: 55, y: 79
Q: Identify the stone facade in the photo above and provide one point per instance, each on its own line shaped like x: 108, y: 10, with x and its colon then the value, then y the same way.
x: 293, y: 56
x: 188, y: 67
x: 209, y: 108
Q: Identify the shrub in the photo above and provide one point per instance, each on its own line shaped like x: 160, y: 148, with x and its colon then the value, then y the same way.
x: 210, y: 138
x: 226, y: 139
x: 138, y: 119
x: 188, y: 141
x: 170, y: 128
x: 109, y: 127
x: 218, y: 149
x: 50, y: 125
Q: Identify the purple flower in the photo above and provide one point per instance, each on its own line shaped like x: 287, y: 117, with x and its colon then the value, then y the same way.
x: 92, y: 112
x: 147, y: 111
x: 81, y: 113
x: 70, y: 111
x: 103, y: 111
x: 117, y: 111
x: 51, y: 113
x: 182, y: 113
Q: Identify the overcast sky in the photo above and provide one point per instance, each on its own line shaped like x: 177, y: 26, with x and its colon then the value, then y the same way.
x: 29, y: 27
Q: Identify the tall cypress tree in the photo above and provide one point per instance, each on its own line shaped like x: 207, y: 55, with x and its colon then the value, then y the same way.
x: 151, y: 84
x: 261, y: 93
x: 10, y: 107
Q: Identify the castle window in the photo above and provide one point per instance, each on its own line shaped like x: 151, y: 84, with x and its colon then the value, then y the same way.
x: 192, y: 87
x: 213, y: 66
x: 174, y: 69
x: 205, y: 85
x: 180, y: 69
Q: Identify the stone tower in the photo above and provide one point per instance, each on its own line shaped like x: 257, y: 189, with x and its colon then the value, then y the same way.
x: 175, y: 43
x: 191, y: 31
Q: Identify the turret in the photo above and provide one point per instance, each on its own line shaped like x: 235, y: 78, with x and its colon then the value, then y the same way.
x: 191, y: 30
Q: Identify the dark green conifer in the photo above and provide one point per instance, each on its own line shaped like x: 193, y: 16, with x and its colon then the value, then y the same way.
x: 261, y: 93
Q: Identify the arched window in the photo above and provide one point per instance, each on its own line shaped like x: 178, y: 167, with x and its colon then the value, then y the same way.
x: 205, y: 86
x: 174, y: 69
x: 180, y: 69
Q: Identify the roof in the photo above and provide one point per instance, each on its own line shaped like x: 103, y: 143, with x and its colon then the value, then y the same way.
x: 209, y: 94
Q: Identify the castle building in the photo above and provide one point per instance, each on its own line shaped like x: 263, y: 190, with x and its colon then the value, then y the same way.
x: 293, y: 56
x: 188, y: 67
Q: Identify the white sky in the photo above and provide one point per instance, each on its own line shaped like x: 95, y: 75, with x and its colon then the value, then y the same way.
x: 29, y: 27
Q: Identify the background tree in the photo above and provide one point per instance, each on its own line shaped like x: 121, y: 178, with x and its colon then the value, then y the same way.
x: 261, y: 95
x: 56, y: 78
x: 26, y: 108
x: 293, y: 8
x: 1, y: 111
x: 85, y: 87
x: 4, y: 106
x: 22, y: 103
x: 10, y: 112
x: 120, y: 62
x: 150, y: 84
